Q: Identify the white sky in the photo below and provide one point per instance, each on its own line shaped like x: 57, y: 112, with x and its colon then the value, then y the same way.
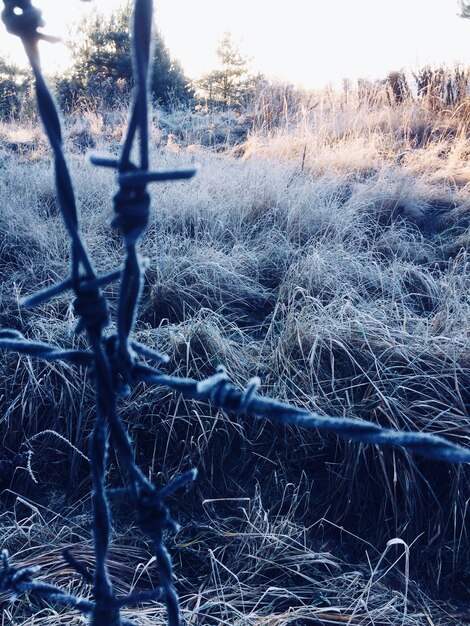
x: 309, y: 42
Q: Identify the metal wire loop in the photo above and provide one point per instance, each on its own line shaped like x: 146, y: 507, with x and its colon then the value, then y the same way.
x: 91, y: 307
x: 248, y: 395
x: 132, y: 207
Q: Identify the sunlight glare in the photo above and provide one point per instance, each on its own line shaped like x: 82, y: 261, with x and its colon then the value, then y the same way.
x: 309, y: 43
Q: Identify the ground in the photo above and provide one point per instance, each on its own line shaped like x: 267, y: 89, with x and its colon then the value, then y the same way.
x: 326, y: 253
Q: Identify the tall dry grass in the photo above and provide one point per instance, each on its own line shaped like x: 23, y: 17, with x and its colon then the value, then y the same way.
x: 327, y: 254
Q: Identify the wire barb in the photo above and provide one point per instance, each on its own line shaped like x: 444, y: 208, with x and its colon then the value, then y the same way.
x: 54, y: 290
x: 17, y: 581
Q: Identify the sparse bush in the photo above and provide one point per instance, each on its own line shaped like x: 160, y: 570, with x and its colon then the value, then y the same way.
x: 230, y: 85
x: 442, y: 86
x: 14, y: 90
x: 398, y: 88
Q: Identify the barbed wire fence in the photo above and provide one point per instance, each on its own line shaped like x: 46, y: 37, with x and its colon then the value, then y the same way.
x: 116, y: 359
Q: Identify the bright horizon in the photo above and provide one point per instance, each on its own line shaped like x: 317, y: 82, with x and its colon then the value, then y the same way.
x: 309, y: 43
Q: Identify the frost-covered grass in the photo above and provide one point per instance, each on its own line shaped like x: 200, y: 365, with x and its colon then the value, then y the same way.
x: 329, y: 256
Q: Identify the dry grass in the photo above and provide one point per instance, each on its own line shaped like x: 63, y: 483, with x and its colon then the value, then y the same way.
x: 330, y: 257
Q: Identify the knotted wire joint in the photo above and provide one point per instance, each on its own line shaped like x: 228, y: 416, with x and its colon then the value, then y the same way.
x: 121, y: 364
x: 12, y: 578
x: 222, y: 393
x: 23, y: 19
x: 153, y: 515
x: 132, y: 207
x: 217, y: 387
x: 91, y: 307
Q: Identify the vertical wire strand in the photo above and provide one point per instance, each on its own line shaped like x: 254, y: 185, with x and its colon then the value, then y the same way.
x: 104, y: 613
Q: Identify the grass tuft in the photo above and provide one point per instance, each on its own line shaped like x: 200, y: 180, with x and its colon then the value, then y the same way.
x: 328, y: 254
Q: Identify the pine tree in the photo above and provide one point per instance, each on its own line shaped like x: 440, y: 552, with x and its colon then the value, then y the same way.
x: 103, y: 68
x: 229, y: 83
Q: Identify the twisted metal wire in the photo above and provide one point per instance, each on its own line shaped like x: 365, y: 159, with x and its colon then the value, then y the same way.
x: 221, y: 393
x: 114, y: 358
x: 17, y: 581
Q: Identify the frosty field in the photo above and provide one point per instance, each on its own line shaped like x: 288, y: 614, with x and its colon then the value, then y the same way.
x: 326, y: 252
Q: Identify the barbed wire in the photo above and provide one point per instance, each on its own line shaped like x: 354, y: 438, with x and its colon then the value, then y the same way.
x: 114, y: 359
x: 221, y: 393
x: 19, y: 580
